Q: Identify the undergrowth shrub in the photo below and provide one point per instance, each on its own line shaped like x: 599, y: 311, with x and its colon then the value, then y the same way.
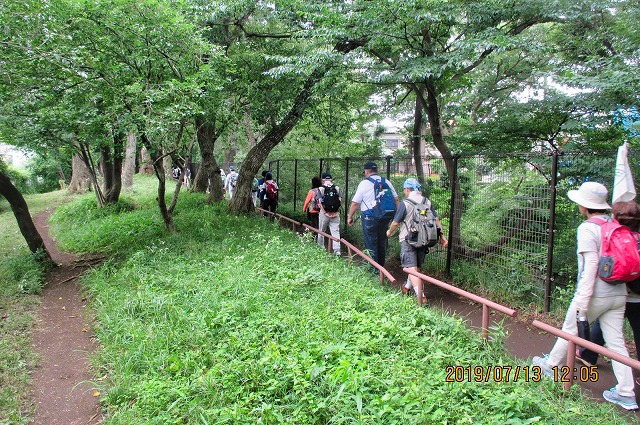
x: 233, y: 320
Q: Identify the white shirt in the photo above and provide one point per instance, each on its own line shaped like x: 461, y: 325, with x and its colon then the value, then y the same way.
x: 365, y: 193
x: 227, y: 180
x: 589, y: 240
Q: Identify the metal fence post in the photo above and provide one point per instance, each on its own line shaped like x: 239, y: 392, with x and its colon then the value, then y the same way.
x: 278, y: 170
x: 551, y: 231
x: 347, y: 204
x: 388, y: 158
x: 295, y: 182
x: 452, y: 212
x: 321, y: 164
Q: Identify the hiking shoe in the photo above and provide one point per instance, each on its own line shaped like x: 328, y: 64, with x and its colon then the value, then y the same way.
x: 581, y: 360
x: 541, y: 362
x: 408, y: 291
x: 626, y: 402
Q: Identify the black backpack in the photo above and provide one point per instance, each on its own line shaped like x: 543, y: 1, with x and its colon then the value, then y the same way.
x: 331, y: 199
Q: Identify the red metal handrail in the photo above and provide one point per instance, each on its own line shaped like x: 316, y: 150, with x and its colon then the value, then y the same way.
x: 382, y: 271
x: 486, y: 304
x: 574, y: 340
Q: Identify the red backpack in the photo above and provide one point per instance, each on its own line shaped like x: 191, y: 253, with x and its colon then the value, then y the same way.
x: 619, y: 259
x: 272, y: 191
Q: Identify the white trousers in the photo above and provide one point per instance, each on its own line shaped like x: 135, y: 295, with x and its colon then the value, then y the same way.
x: 334, y: 229
x: 610, y: 311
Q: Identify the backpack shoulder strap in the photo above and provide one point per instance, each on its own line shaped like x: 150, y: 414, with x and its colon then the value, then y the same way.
x: 596, y: 220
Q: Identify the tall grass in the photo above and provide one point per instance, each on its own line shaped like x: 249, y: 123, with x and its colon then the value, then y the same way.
x: 21, y: 280
x: 234, y: 320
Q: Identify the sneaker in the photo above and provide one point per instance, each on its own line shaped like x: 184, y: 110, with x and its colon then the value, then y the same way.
x: 336, y: 253
x: 541, y: 362
x: 581, y: 360
x: 626, y: 402
x: 407, y: 291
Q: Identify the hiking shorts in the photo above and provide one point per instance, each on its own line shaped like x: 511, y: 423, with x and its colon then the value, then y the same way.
x: 410, y: 256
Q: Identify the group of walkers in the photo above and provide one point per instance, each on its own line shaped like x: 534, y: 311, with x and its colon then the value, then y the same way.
x: 381, y: 213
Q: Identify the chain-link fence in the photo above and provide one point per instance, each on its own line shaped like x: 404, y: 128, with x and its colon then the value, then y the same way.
x: 510, y: 225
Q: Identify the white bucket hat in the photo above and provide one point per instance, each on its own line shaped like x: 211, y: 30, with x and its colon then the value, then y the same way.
x: 591, y: 195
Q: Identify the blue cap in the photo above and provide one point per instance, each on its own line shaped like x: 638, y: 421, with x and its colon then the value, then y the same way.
x: 326, y: 176
x: 232, y: 168
x: 412, y: 184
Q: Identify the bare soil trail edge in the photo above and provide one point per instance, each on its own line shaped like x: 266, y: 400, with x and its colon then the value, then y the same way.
x: 63, y: 385
x: 64, y: 390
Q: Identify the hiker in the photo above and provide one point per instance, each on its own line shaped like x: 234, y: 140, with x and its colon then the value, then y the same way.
x: 254, y: 191
x: 595, y: 298
x: 311, y: 202
x: 270, y: 193
x: 230, y: 181
x: 627, y: 214
x: 187, y: 178
x: 176, y: 172
x: 261, y: 200
x: 377, y: 200
x: 411, y: 256
x: 329, y: 201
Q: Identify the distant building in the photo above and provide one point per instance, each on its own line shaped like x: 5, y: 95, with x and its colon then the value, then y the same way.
x: 394, y: 140
x: 13, y: 156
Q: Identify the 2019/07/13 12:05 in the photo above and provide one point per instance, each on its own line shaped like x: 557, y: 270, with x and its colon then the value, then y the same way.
x: 515, y: 373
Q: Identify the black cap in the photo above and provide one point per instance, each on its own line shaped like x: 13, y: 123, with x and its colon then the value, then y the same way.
x: 326, y: 176
x: 264, y: 172
x: 370, y: 166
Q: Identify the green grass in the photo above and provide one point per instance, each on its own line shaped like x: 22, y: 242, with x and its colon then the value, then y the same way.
x: 20, y: 283
x: 235, y: 320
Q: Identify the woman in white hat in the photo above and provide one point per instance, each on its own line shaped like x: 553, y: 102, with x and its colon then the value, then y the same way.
x: 595, y: 298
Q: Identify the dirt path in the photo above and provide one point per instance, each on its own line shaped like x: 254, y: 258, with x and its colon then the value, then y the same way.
x: 63, y: 391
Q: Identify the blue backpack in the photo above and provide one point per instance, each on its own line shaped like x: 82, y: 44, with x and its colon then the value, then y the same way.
x: 385, y: 207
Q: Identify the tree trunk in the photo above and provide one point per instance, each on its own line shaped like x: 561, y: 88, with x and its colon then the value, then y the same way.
x: 80, y: 176
x: 85, y: 155
x: 146, y: 164
x: 167, y: 164
x: 129, y: 161
x: 416, y: 141
x: 209, y: 172
x: 112, y: 168
x: 242, y: 200
x: 430, y: 105
x: 25, y: 223
x: 157, y: 161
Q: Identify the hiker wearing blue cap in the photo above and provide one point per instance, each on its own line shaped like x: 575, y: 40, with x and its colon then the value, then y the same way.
x: 421, y: 229
x: 377, y: 200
